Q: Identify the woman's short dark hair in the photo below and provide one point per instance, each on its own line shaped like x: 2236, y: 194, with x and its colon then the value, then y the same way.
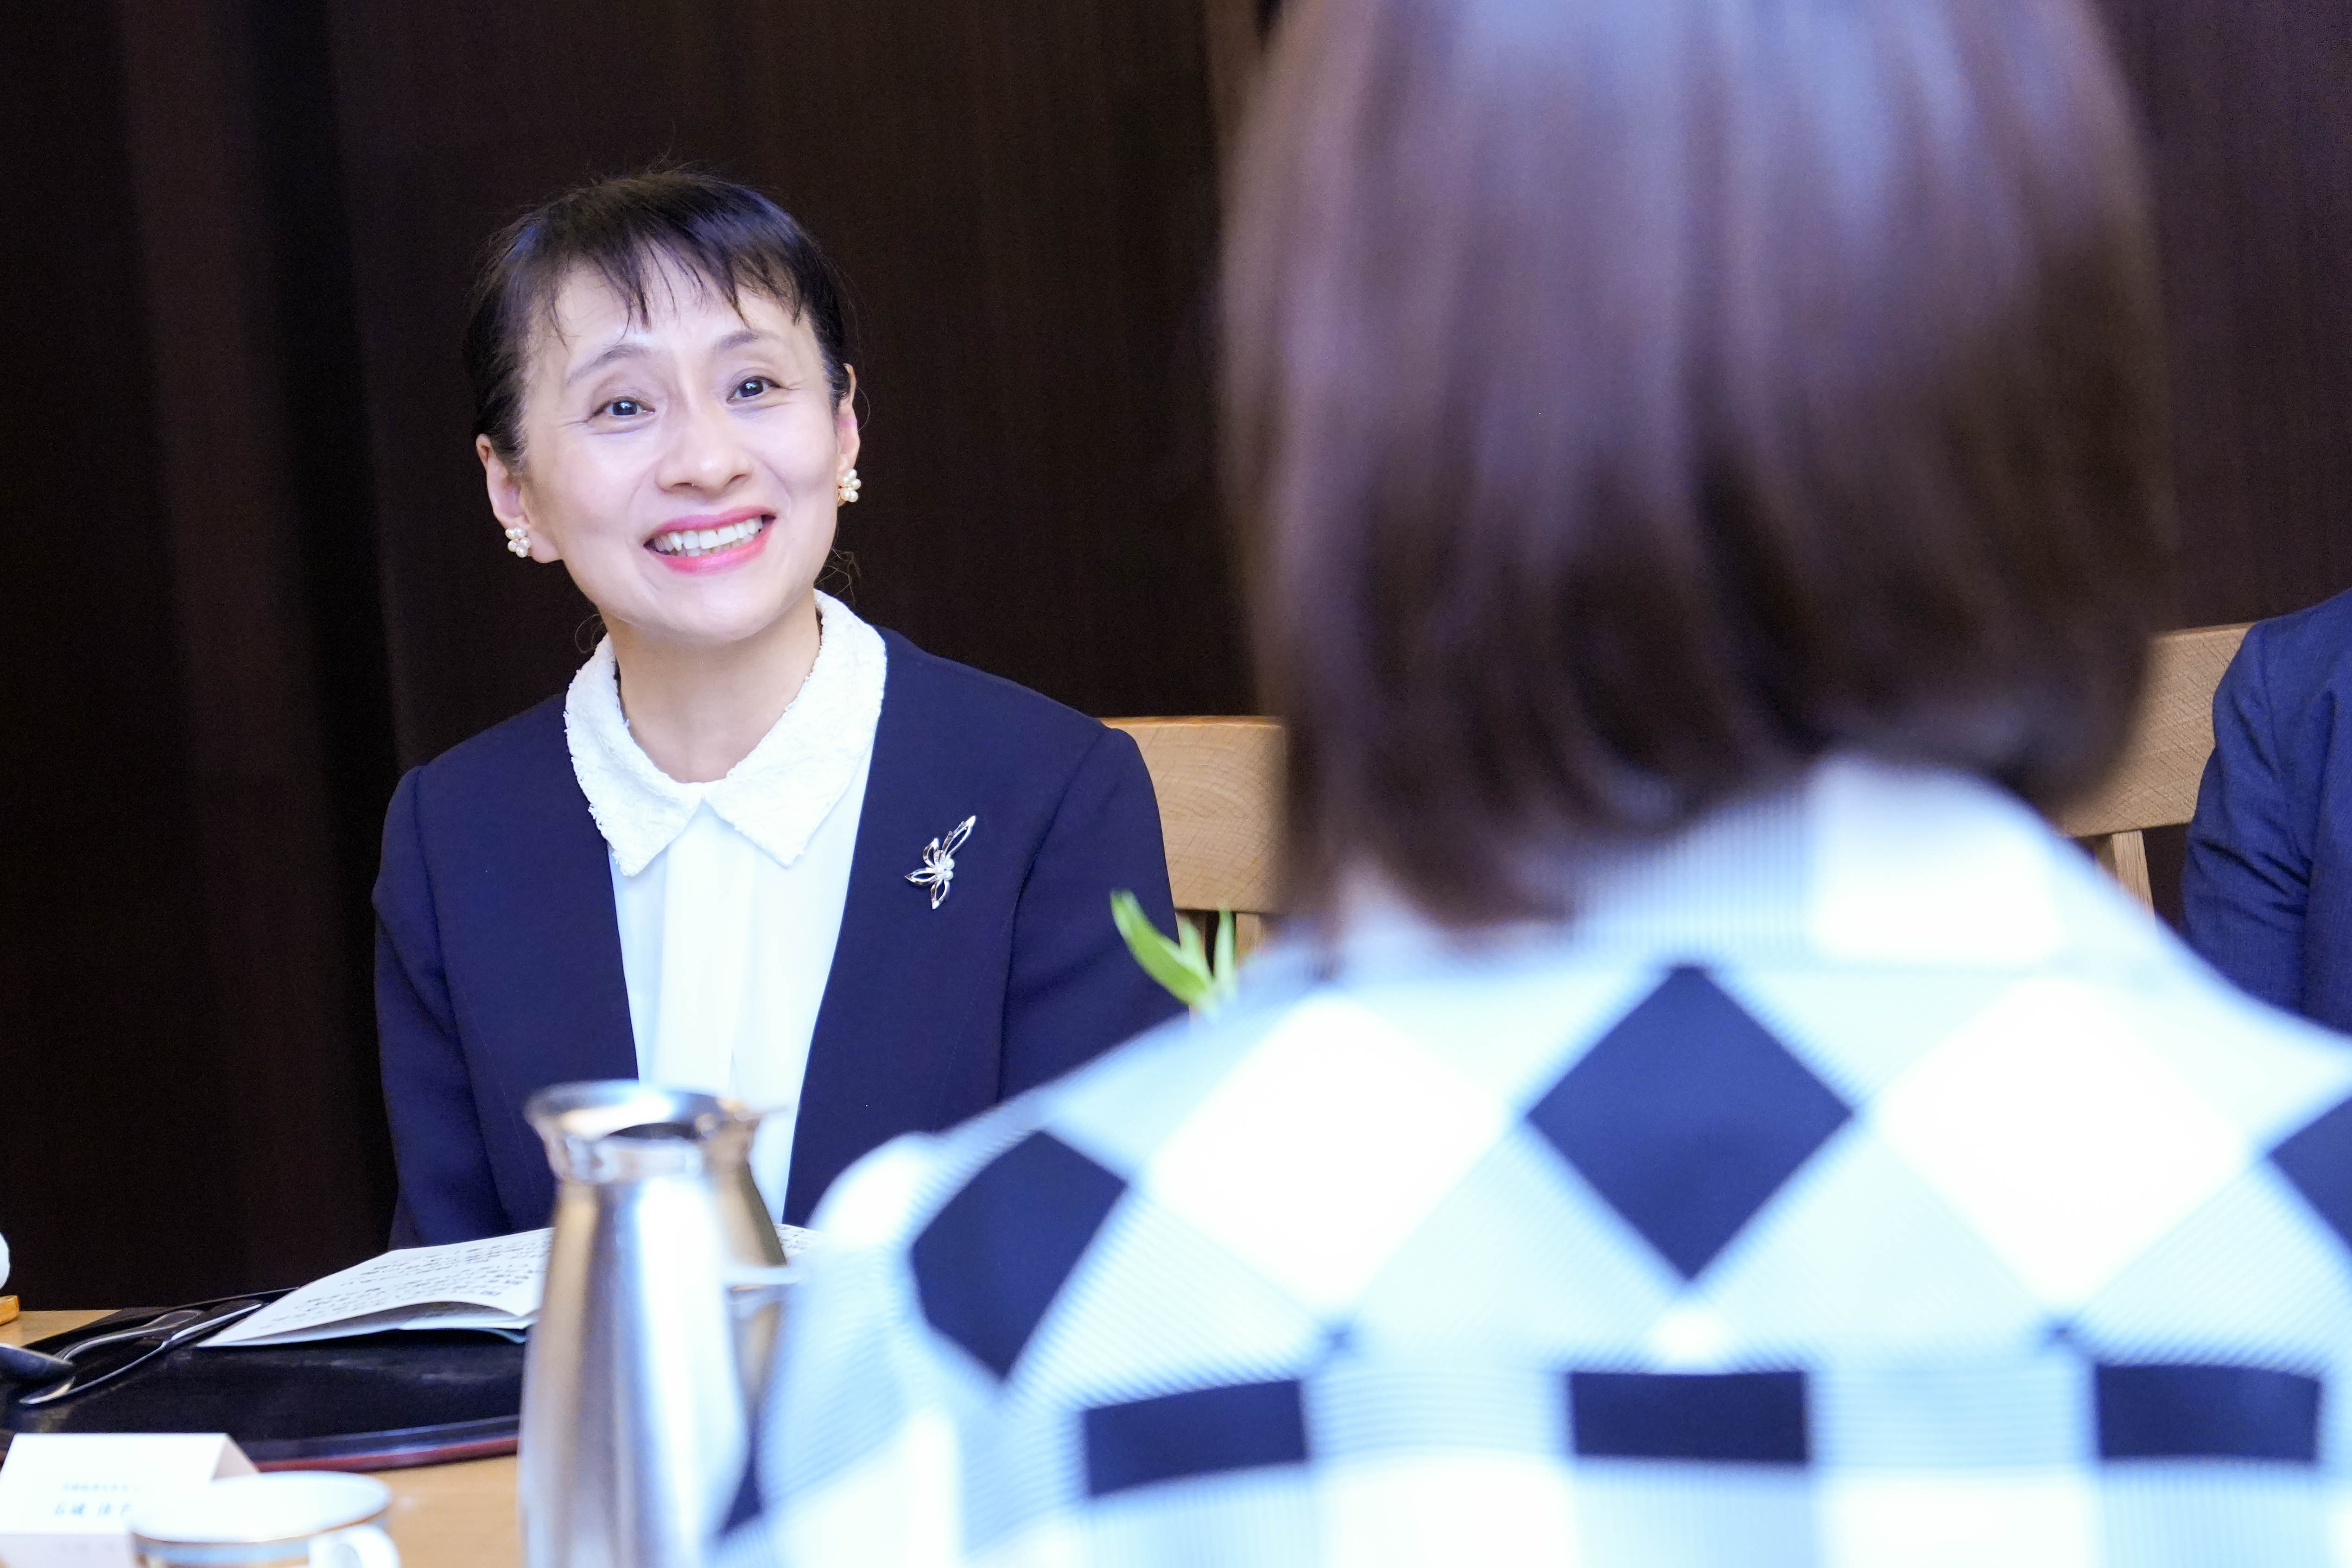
x: 728, y: 235
x: 1631, y: 403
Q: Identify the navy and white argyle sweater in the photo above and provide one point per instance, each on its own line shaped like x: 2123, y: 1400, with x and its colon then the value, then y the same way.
x: 1859, y: 1180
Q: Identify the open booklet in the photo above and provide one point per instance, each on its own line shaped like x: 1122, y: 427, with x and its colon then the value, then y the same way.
x: 493, y: 1284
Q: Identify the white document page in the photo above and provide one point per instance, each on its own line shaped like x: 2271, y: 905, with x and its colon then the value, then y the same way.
x: 494, y: 1283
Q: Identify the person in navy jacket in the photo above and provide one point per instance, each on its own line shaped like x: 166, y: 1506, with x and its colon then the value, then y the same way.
x: 2267, y: 885
x: 758, y: 847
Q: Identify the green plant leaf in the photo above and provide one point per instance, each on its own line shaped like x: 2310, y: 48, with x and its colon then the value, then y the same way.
x: 1196, y: 956
x: 1183, y: 963
x: 1162, y: 959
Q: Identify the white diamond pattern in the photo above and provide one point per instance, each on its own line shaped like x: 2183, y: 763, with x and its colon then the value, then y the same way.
x: 2050, y: 1126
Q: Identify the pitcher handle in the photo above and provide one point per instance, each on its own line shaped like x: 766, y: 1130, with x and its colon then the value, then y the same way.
x: 761, y: 1286
x: 755, y: 1301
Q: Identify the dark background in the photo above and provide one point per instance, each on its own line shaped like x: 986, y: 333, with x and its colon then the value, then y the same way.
x: 252, y: 576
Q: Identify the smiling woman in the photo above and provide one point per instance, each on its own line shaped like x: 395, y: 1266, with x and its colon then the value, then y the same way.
x: 698, y: 865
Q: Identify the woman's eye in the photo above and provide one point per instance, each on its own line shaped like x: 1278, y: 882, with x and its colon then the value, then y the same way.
x: 754, y: 386
x: 624, y: 409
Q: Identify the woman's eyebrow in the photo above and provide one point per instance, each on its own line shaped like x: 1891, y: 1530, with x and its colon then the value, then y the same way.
x: 627, y: 348
x: 632, y: 348
x: 740, y: 336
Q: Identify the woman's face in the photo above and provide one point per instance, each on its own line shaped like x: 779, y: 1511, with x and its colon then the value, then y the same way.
x: 686, y: 467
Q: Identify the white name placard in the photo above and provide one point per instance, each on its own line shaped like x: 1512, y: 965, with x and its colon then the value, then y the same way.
x: 78, y: 1484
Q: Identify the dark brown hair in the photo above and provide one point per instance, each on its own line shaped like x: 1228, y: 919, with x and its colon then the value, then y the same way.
x: 1629, y: 403
x: 728, y: 235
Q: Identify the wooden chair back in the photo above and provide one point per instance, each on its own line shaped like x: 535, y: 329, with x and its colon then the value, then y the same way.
x: 2155, y: 785
x: 1219, y: 786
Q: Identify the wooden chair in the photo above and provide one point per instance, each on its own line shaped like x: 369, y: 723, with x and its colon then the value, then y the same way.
x: 1219, y: 786
x: 2155, y: 786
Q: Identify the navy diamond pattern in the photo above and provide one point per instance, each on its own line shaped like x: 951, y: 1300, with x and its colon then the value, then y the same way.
x: 1632, y: 1290
x: 1201, y: 1432
x: 992, y: 1261
x: 1687, y: 1117
x: 1737, y: 1418
x: 2208, y: 1413
x: 2318, y: 1160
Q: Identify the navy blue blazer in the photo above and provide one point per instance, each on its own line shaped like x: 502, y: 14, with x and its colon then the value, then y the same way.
x: 499, y: 953
x: 2267, y: 885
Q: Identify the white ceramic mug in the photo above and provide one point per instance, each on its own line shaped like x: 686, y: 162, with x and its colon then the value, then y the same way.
x: 320, y: 1519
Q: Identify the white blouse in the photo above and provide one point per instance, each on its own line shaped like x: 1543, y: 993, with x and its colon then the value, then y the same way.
x: 729, y: 894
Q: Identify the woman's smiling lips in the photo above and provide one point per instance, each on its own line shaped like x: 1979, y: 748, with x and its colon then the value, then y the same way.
x: 697, y: 545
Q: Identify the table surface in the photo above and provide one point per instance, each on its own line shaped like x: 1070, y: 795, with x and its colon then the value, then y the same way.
x: 443, y: 1516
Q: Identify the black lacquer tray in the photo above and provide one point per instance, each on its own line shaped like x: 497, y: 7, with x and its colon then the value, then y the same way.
x: 374, y: 1403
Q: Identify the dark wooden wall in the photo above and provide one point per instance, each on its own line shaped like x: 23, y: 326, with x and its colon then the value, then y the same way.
x: 2247, y: 107
x: 101, y: 980
x: 194, y: 706
x: 2248, y: 112
x: 251, y: 575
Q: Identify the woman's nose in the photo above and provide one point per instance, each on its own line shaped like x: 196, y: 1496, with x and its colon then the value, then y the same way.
x: 703, y: 452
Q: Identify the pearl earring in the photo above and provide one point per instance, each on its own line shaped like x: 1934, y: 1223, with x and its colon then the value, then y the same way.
x: 850, y: 485
x: 518, y: 539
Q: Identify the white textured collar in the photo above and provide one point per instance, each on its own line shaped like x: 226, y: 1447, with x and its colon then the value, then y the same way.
x: 777, y: 797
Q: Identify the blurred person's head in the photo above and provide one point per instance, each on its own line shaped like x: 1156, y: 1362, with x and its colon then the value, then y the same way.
x: 1632, y: 401
x: 663, y: 402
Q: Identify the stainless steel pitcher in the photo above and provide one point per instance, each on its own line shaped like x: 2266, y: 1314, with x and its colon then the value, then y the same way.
x: 643, y: 1369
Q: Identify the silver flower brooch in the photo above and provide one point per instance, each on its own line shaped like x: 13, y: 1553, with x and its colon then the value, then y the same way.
x: 938, y: 869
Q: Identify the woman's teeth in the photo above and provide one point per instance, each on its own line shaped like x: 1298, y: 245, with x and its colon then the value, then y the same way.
x: 704, y: 541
